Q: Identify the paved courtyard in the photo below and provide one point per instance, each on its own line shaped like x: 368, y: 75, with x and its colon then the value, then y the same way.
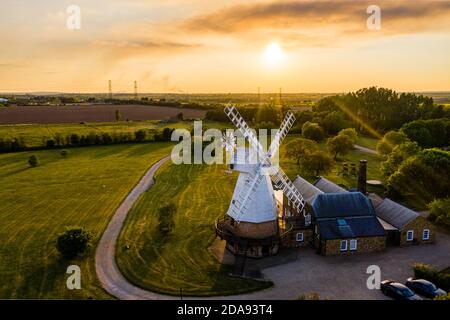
x: 345, y: 277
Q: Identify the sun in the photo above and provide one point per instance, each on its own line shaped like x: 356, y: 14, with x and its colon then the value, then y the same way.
x: 273, y: 54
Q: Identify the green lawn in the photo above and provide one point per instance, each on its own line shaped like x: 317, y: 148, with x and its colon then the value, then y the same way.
x: 180, y: 259
x: 36, y: 204
x: 367, y: 142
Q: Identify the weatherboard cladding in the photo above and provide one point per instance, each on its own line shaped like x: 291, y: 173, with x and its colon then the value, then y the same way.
x: 395, y: 214
x: 335, y: 205
x: 327, y: 186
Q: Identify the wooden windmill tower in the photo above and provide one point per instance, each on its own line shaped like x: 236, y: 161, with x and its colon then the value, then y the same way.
x: 251, y: 227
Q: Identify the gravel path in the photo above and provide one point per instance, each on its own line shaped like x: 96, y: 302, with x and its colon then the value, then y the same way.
x: 105, y: 263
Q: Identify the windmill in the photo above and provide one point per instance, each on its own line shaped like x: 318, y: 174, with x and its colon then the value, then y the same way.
x: 253, y: 208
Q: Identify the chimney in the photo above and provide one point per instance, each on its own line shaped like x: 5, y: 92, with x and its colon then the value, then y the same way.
x: 362, y: 177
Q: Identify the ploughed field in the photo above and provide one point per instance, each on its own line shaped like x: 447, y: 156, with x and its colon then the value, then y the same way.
x: 179, y: 259
x: 91, y: 113
x: 36, y: 204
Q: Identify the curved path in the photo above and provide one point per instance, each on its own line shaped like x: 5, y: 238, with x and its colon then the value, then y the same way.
x: 105, y: 263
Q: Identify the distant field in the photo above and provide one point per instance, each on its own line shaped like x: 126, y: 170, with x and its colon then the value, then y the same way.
x: 36, y: 204
x: 90, y: 113
x: 180, y: 259
x: 34, y: 135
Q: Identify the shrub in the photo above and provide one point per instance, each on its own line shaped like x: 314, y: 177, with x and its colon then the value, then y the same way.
x: 165, y: 217
x: 64, y: 153
x: 440, y: 212
x: 430, y: 273
x: 33, y: 161
x: 312, y: 131
x: 73, y: 242
x: 399, y: 154
x: 50, y: 143
x: 334, y: 122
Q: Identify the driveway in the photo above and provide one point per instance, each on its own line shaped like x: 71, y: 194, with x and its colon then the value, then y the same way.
x: 345, y: 277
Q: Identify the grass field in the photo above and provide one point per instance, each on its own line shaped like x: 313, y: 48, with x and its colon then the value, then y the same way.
x: 367, y: 142
x: 36, y: 204
x: 373, y: 166
x: 180, y: 259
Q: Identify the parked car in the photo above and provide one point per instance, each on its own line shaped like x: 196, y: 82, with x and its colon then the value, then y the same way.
x: 425, y: 288
x: 398, y: 291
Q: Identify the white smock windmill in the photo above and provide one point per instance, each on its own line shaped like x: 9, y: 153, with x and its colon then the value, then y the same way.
x: 253, y: 207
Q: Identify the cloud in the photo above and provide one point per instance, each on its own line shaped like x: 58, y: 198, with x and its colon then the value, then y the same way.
x: 321, y: 19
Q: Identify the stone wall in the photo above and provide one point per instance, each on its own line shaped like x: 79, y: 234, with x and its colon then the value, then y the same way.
x: 365, y: 245
x: 290, y: 240
x: 417, y: 225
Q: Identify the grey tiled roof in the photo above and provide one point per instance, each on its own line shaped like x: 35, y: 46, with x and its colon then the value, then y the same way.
x: 306, y: 189
x: 395, y: 214
x: 328, y: 187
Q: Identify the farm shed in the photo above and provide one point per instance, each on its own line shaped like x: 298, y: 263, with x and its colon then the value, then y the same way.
x: 327, y: 186
x: 345, y: 223
x: 411, y: 226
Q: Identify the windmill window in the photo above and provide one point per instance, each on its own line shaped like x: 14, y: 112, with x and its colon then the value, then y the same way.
x: 410, y: 235
x: 343, y: 245
x: 426, y: 234
x: 353, y: 245
x: 307, y: 220
x: 299, y: 237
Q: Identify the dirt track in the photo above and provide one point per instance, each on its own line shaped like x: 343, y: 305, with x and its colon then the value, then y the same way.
x: 90, y: 113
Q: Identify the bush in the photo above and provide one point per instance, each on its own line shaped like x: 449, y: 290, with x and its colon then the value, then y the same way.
x: 64, y: 153
x: 334, y: 122
x: 50, y: 143
x: 440, y: 212
x: 73, y: 242
x: 430, y: 273
x: 33, y: 161
x: 312, y: 131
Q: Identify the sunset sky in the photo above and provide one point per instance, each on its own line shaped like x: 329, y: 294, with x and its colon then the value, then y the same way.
x: 195, y: 46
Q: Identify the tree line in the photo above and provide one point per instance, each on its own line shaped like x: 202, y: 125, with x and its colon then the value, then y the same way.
x: 77, y: 140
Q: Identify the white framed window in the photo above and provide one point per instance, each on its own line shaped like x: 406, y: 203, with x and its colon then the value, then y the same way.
x: 307, y: 220
x: 426, y: 234
x: 353, y: 245
x: 410, y: 235
x: 343, y: 245
x: 299, y: 237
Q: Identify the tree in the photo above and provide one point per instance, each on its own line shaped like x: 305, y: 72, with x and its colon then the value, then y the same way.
x: 74, y: 139
x: 399, y: 154
x: 118, y: 115
x: 426, y: 176
x: 33, y: 161
x: 140, y: 135
x: 340, y: 144
x: 73, y: 242
x: 390, y: 140
x: 317, y: 163
x: 165, y: 217
x: 312, y: 131
x: 350, y: 133
x: 418, y: 131
x: 300, y: 147
x: 50, y: 143
x: 334, y: 122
